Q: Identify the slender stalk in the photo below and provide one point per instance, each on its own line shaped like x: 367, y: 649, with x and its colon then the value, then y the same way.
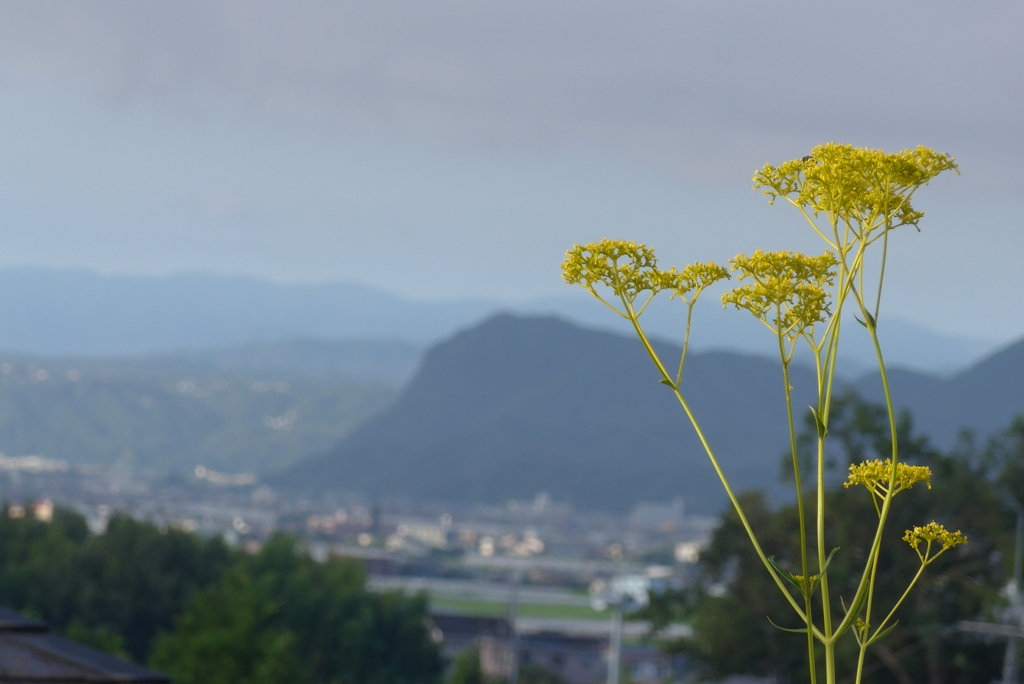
x: 881, y: 269
x: 881, y: 625
x: 867, y: 615
x: 686, y: 340
x: 866, y: 641
x: 742, y: 515
x: 718, y: 469
x: 884, y: 513
x: 805, y: 572
x: 826, y: 608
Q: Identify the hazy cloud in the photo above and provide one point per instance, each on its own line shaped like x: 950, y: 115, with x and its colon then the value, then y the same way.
x: 699, y: 86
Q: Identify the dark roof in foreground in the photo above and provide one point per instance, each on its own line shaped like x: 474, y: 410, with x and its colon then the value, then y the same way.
x: 30, y: 654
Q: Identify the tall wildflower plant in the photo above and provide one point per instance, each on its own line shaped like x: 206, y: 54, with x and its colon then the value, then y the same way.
x: 853, y: 199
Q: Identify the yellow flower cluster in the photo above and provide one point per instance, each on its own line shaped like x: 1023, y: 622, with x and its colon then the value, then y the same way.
x: 858, y: 186
x: 693, y: 279
x: 875, y: 476
x: 789, y: 285
x: 628, y: 269
x: 931, y: 533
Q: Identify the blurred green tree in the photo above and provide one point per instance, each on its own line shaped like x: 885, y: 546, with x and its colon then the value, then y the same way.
x: 115, y: 590
x: 227, y: 635
x: 732, y: 598
x: 316, y: 620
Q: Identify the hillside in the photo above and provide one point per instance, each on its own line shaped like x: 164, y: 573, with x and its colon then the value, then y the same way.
x: 983, y: 398
x: 173, y: 413
x: 512, y: 407
x: 519, y: 405
x: 305, y: 361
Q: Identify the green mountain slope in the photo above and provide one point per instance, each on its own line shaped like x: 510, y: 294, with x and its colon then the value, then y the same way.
x: 160, y: 418
x: 521, y: 405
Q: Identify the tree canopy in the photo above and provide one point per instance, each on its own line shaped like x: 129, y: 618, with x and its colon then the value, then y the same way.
x: 201, y: 612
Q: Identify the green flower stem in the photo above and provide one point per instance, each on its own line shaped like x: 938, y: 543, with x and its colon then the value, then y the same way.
x: 878, y: 631
x: 814, y: 225
x: 718, y: 469
x: 847, y: 274
x: 825, y: 387
x: 742, y: 515
x: 864, y: 641
x: 884, y: 514
x: 885, y: 250
x: 826, y: 607
x: 800, y: 509
x: 686, y: 340
x: 892, y: 612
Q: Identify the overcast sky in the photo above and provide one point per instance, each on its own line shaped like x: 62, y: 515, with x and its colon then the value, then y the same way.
x: 456, y: 149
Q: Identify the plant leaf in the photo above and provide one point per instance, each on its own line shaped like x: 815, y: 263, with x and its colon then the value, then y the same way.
x: 669, y: 383
x: 822, y: 431
x: 802, y: 630
x: 882, y: 634
x: 782, y: 571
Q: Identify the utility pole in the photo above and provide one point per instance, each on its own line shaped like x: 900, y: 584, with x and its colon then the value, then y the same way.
x: 615, y: 647
x: 513, y: 616
x: 624, y: 593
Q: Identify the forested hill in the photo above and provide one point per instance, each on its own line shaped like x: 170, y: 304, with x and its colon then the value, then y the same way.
x: 983, y: 398
x: 519, y: 405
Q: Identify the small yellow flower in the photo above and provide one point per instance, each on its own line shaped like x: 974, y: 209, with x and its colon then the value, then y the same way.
x: 692, y: 280
x: 806, y: 584
x: 788, y: 292
x: 931, y: 533
x: 629, y: 269
x: 875, y: 476
x: 862, y: 188
x: 625, y: 267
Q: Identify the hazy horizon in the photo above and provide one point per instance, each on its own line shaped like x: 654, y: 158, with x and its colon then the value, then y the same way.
x: 452, y: 150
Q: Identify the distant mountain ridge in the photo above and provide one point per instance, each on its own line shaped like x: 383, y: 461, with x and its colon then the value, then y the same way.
x: 519, y: 405
x: 81, y: 313
x: 907, y: 344
x: 51, y: 312
x: 982, y: 398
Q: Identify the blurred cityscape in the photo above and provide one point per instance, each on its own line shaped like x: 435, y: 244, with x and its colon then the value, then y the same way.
x: 538, y: 565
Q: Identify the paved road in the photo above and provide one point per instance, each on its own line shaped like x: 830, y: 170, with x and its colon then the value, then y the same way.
x: 469, y: 590
x: 631, y: 629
